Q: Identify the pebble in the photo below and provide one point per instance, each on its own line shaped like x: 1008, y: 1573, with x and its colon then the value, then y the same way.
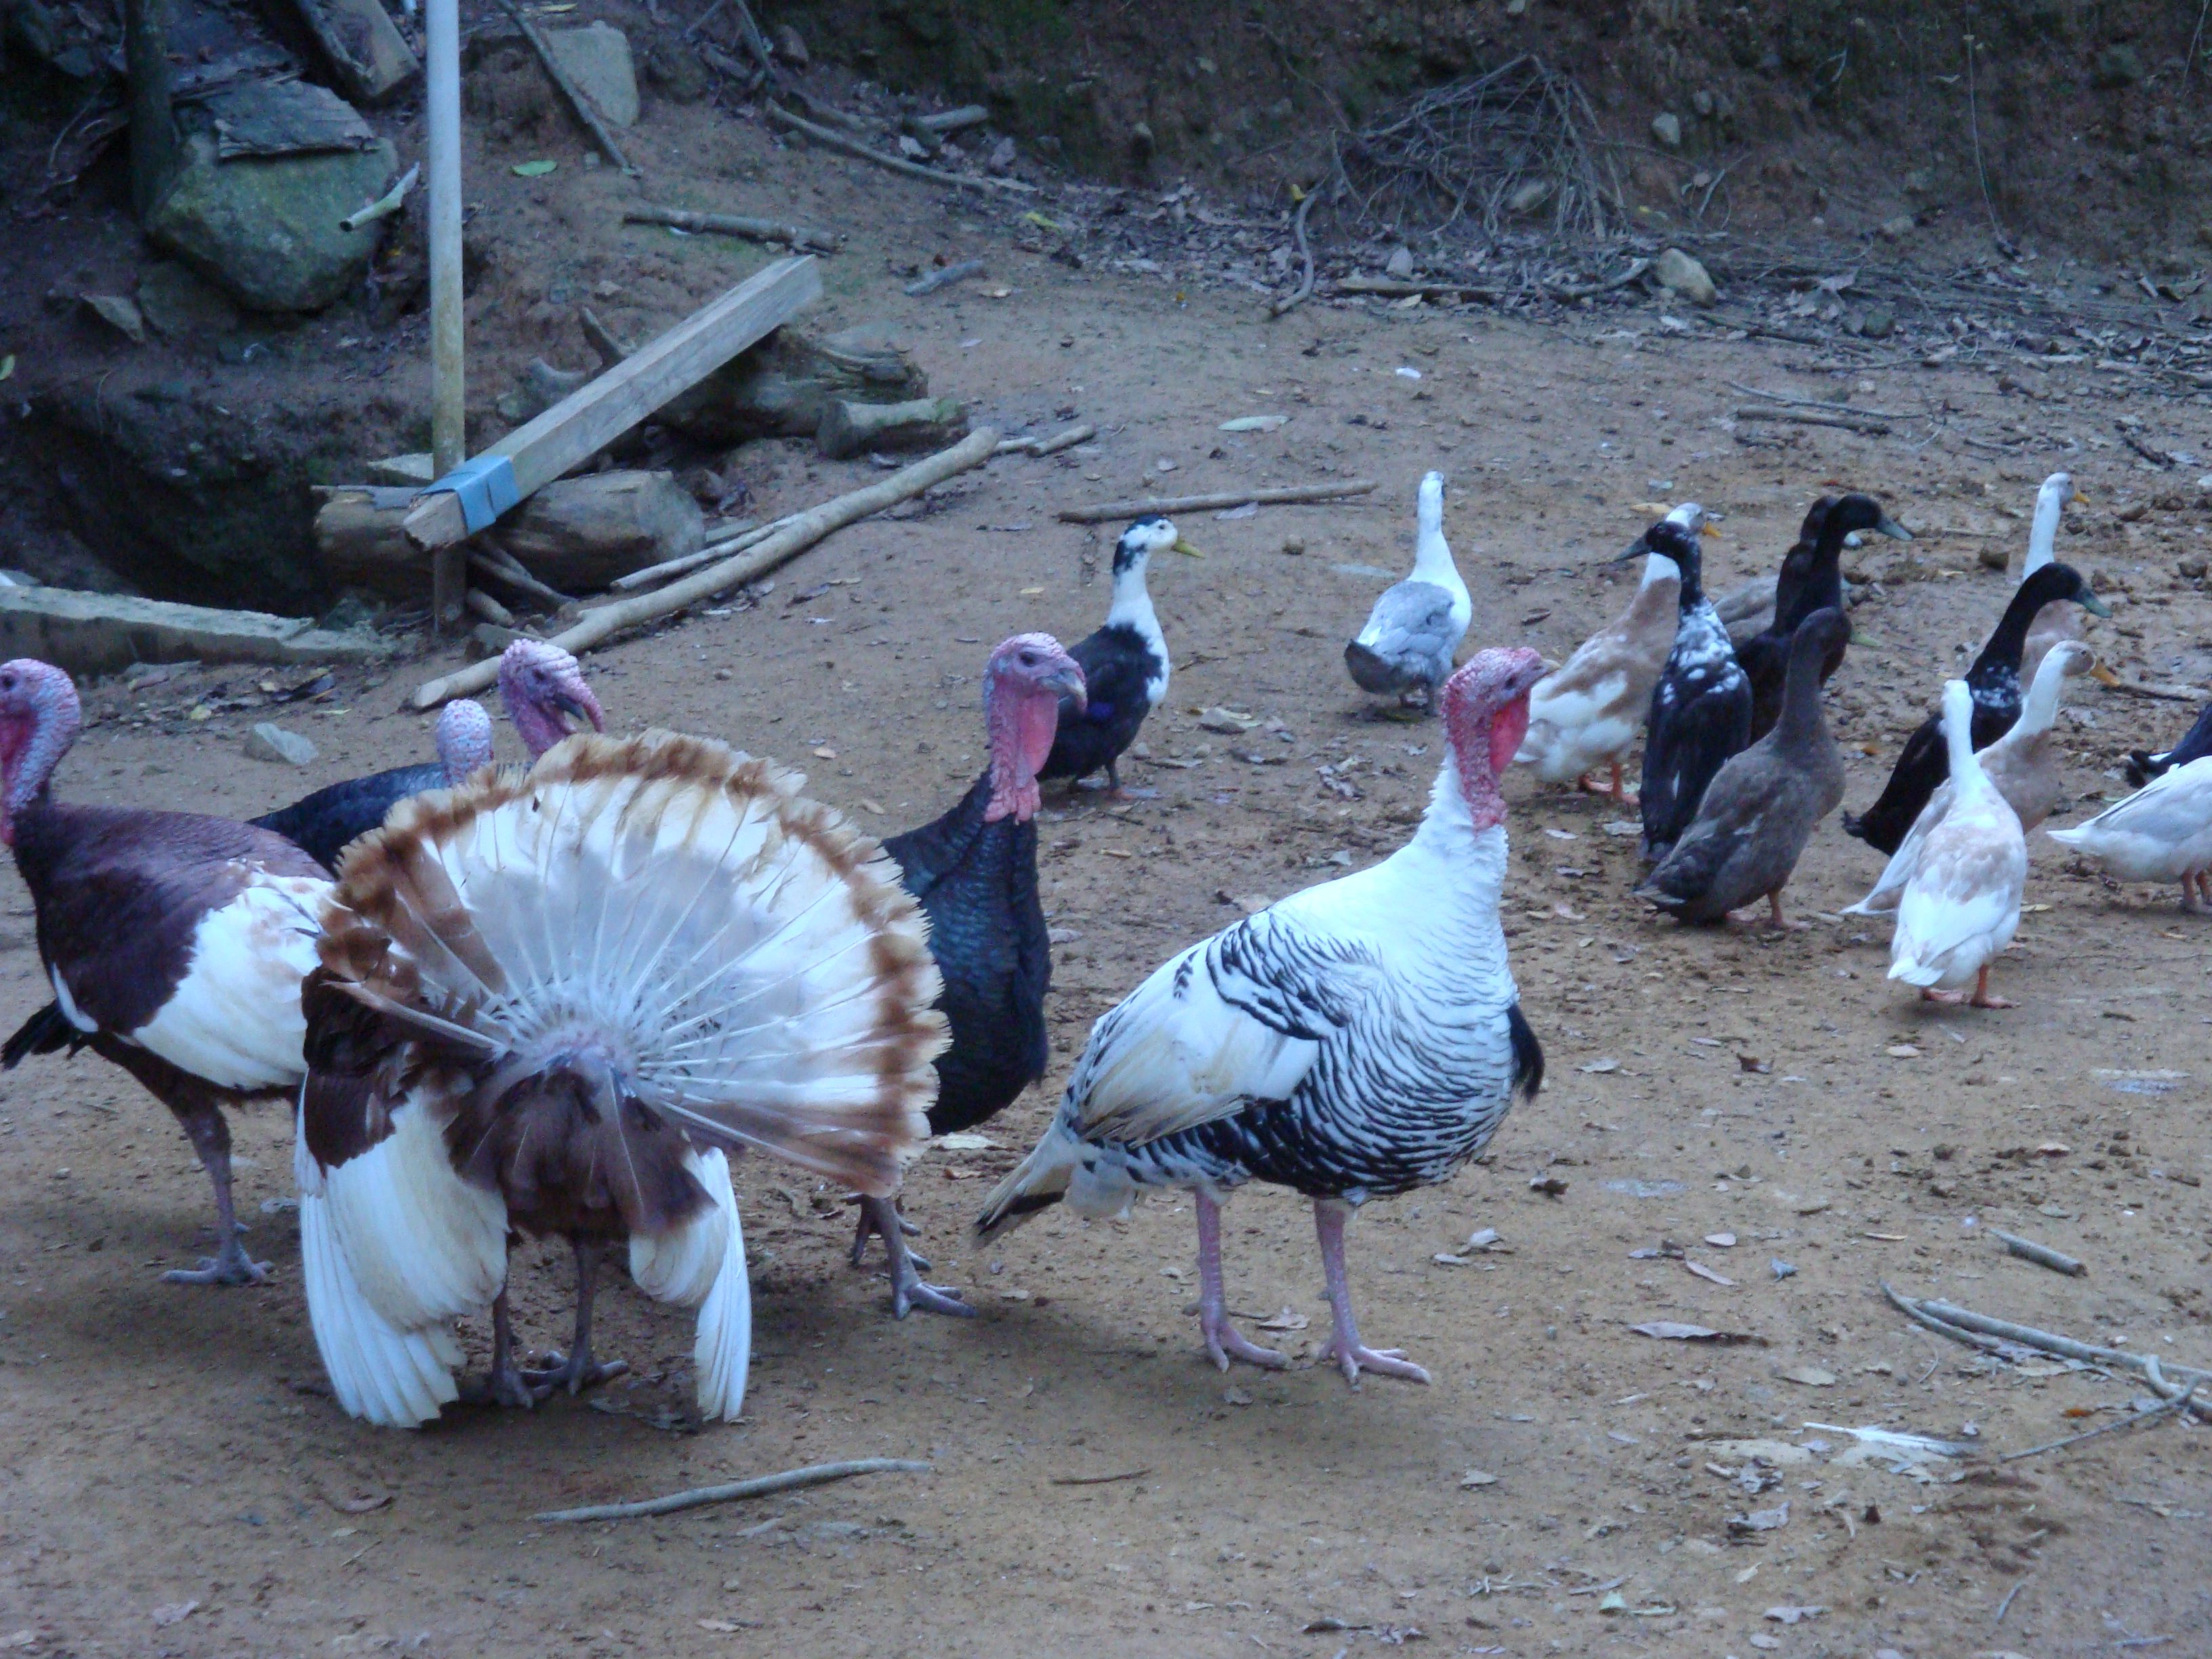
x: 270, y: 741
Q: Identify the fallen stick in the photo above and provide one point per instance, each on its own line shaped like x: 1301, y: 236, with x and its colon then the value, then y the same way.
x: 937, y: 279
x: 2156, y: 457
x: 668, y: 569
x: 761, y: 1486
x: 1807, y: 417
x: 1819, y: 403
x: 838, y: 141
x: 1306, y: 254
x: 734, y: 224
x: 494, y: 561
x: 1980, y: 1331
x: 1273, y: 497
x: 489, y: 608
x: 2163, y: 693
x: 951, y: 120
x: 2041, y: 1254
x: 1098, y: 1480
x: 587, y: 111
x: 1389, y: 287
x: 801, y: 532
x: 1067, y: 440
x: 2165, y: 1408
x: 384, y: 205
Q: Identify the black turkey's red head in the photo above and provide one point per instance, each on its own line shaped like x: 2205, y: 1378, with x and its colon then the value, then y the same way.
x: 545, y: 692
x: 39, y: 719
x: 1485, y: 714
x: 1027, y: 677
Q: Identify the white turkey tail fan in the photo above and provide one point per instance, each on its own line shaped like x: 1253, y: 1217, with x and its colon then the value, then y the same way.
x: 737, y: 959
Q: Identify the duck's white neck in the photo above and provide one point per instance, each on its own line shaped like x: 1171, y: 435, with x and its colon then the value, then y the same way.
x: 1133, y: 607
x: 2043, y: 534
x: 2040, y: 709
x: 1432, y: 560
x: 1658, y: 568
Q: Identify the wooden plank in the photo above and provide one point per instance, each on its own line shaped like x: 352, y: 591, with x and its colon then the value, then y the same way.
x: 365, y: 51
x: 598, y: 412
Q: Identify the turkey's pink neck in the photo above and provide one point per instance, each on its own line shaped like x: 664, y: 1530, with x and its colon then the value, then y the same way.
x: 31, y: 743
x: 1484, y: 743
x: 1021, y: 722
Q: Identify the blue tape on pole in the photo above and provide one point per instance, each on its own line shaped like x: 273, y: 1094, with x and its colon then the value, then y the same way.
x: 486, y: 488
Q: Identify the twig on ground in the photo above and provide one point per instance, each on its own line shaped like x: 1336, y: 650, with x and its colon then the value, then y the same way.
x: 1053, y: 446
x: 1818, y: 403
x: 944, y: 278
x: 2005, y: 1605
x: 1098, y: 1480
x: 578, y: 100
x: 1130, y: 509
x: 761, y: 1486
x: 668, y: 569
x: 2156, y: 457
x: 704, y: 18
x: 1305, y: 252
x: 838, y: 141
x: 756, y: 42
x: 2042, y: 1255
x: 2162, y: 693
x: 795, y: 537
x: 2164, y: 1408
x: 1807, y: 417
x: 492, y: 560
x: 384, y: 205
x: 734, y: 224
x: 1974, y: 126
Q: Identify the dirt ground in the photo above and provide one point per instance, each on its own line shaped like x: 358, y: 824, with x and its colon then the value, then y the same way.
x: 179, y: 1481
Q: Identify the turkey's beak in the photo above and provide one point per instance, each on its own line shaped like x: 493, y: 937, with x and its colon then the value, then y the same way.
x: 1895, y: 531
x: 1182, y: 545
x: 578, y: 709
x: 1068, y: 683
x: 2104, y: 676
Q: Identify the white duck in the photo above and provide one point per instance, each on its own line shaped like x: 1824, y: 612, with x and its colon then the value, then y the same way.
x: 1406, y: 647
x: 2061, y: 619
x: 2163, y: 832
x: 1587, y: 712
x: 2023, y: 764
x: 1961, y: 906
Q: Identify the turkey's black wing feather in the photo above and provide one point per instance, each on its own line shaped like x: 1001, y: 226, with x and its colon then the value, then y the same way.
x: 324, y: 824
x: 45, y: 1032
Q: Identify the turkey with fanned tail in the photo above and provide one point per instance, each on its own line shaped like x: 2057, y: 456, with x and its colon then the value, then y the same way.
x: 1405, y: 648
x: 973, y: 872
x: 1700, y: 711
x: 549, y: 1002
x: 1357, y: 1040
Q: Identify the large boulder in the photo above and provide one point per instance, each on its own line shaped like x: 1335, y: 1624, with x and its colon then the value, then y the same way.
x: 598, y: 59
x: 266, y: 228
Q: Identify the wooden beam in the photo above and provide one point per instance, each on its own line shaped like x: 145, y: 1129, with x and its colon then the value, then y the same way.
x: 596, y: 413
x: 366, y: 53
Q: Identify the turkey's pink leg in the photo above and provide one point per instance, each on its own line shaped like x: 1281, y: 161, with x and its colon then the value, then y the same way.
x: 1223, y: 1342
x: 1344, y: 1346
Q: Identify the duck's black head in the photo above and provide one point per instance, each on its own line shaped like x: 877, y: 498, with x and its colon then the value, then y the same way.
x: 1145, y: 538
x: 1856, y: 512
x: 2059, y: 582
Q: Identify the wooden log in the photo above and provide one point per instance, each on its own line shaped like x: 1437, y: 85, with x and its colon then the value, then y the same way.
x: 780, y: 388
x: 360, y: 540
x: 803, y: 531
x: 1808, y: 417
x: 579, y: 533
x: 1137, y: 509
x: 488, y: 558
x: 951, y: 120
x: 366, y: 52
x: 577, y: 98
x: 653, y: 575
x: 489, y: 608
x: 925, y: 423
x: 734, y: 224
x: 821, y: 135
x: 594, y: 415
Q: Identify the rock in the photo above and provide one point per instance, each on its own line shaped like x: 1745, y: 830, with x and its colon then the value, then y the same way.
x: 847, y: 428
x: 676, y: 71
x: 270, y: 741
x: 790, y: 47
x: 1001, y: 158
x: 2117, y: 66
x: 266, y: 229
x: 780, y: 387
x: 598, y: 60
x: 583, y: 533
x: 1679, y: 274
x: 180, y: 306
x: 119, y: 314
x: 1918, y: 182
x: 1400, y: 264
x: 1530, y: 196
x: 1881, y: 322
x: 1702, y: 101
x: 105, y: 633
x: 1899, y: 229
x: 1666, y: 128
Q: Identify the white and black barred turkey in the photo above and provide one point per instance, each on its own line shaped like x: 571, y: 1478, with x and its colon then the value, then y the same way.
x: 1355, y: 1040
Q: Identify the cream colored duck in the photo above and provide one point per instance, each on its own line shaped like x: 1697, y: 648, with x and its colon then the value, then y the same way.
x: 1586, y: 714
x: 1961, y: 906
x: 2163, y: 832
x: 2059, y: 620
x: 2023, y: 764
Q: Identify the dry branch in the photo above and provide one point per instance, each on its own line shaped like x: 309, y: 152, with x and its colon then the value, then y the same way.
x: 937, y: 279
x: 1052, y: 446
x: 734, y: 224
x: 1227, y: 498
x: 761, y: 1486
x: 1305, y: 254
x: 799, y: 533
x: 1808, y: 417
x: 838, y: 141
x: 653, y: 575
x: 2041, y: 1254
x: 2165, y: 1408
x: 578, y: 100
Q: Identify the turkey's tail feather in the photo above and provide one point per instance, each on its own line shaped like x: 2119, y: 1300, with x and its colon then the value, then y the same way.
x: 1093, y: 1181
x: 668, y: 914
x: 44, y: 1033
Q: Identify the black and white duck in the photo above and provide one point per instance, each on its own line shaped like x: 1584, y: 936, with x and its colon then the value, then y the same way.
x: 1700, y: 710
x: 1125, y: 663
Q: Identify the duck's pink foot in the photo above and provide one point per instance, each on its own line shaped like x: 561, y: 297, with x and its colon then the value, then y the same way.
x: 1949, y: 999
x: 1981, y: 998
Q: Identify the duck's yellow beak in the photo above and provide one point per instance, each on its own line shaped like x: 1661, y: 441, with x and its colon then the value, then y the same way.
x: 1182, y: 545
x: 2103, y: 675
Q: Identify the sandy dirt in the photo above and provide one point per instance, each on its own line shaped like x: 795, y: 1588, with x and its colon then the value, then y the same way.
x: 179, y: 1481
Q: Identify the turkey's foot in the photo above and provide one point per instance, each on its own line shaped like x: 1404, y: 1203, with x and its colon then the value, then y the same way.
x: 1355, y: 1357
x: 576, y: 1373
x: 228, y: 1266
x: 873, y: 1212
x: 503, y: 1385
x: 1224, y: 1342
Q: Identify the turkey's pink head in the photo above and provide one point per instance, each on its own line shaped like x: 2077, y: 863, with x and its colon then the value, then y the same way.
x: 464, y: 738
x: 1023, y: 685
x: 1485, y: 713
x: 39, y: 719
x: 545, y: 692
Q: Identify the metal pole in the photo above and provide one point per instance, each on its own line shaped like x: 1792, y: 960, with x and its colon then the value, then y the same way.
x: 441, y: 25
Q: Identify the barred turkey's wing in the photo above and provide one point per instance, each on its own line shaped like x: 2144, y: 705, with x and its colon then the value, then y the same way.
x: 753, y: 958
x: 1238, y: 1019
